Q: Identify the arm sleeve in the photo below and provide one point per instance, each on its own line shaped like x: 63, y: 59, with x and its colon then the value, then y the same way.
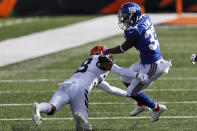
x: 123, y: 71
x: 112, y: 90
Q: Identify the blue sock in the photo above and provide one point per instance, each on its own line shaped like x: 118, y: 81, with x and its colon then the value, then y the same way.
x: 144, y: 100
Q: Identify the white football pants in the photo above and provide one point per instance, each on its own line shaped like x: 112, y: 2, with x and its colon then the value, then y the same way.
x: 154, y: 71
x: 74, y: 94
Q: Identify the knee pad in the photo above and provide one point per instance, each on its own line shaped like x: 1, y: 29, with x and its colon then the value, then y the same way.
x: 53, y: 109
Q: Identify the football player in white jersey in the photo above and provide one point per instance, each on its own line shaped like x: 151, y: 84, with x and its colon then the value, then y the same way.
x: 139, y: 33
x: 193, y: 58
x: 75, y: 90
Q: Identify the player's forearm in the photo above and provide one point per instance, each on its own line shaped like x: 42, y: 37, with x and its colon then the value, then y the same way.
x: 111, y: 89
x: 115, y: 50
x: 123, y: 71
x: 127, y: 44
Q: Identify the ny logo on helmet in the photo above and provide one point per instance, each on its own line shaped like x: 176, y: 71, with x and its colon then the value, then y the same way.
x: 132, y: 9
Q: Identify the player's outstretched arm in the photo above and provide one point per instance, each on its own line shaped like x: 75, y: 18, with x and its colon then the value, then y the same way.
x: 127, y: 44
x: 124, y: 71
x: 129, y: 73
x: 112, y: 90
x: 193, y: 58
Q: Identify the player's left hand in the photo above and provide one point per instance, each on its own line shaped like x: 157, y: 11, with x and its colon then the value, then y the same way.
x: 106, y: 65
x: 106, y: 52
x: 105, y: 62
x: 142, y: 78
x: 193, y: 58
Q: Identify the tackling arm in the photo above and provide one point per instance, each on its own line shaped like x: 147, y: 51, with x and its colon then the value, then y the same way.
x: 123, y: 71
x: 129, y: 73
x: 111, y: 89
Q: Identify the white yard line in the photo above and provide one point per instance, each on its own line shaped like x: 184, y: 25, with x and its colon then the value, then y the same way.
x: 101, y: 118
x: 46, y: 42
x: 58, y: 80
x: 167, y: 78
x: 71, y: 70
x: 53, y: 91
x: 7, y: 105
x: 112, y: 103
x: 171, y: 90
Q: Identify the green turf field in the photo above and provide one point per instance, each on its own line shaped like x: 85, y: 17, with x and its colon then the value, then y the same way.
x: 36, y: 80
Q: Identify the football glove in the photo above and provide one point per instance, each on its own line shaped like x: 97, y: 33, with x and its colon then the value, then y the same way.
x: 193, y: 58
x: 143, y: 78
x: 105, y: 62
x: 105, y: 52
x: 104, y: 59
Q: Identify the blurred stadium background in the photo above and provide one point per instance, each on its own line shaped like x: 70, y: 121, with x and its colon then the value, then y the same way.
x: 59, y: 7
x: 25, y: 81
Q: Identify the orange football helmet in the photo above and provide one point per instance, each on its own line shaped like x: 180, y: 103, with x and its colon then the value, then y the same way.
x: 97, y: 50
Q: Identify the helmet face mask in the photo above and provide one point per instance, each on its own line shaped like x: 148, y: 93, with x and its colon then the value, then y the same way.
x: 124, y: 20
x: 128, y: 15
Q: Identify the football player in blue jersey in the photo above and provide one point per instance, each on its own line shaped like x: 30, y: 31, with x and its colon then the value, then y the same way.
x: 140, y: 33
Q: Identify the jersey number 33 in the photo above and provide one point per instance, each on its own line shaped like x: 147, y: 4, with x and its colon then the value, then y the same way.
x: 151, y: 38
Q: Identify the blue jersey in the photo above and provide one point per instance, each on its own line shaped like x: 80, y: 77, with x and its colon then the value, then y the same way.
x: 147, y: 43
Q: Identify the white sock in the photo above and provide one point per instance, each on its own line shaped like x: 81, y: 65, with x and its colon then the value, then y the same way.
x: 44, y: 107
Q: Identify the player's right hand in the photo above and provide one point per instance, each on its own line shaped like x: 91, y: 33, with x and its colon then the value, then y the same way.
x: 193, y: 58
x: 143, y: 78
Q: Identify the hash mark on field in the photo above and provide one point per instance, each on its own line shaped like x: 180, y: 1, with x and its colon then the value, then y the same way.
x: 102, y: 118
x: 30, y: 80
x: 28, y: 92
x: 19, y: 21
x: 178, y: 102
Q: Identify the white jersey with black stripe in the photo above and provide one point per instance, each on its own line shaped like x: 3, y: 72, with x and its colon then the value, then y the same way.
x: 90, y: 72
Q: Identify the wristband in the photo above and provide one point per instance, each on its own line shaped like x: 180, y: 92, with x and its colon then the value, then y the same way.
x: 122, y: 49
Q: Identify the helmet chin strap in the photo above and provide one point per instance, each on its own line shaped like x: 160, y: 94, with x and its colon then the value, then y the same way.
x: 122, y: 26
x: 125, y: 24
